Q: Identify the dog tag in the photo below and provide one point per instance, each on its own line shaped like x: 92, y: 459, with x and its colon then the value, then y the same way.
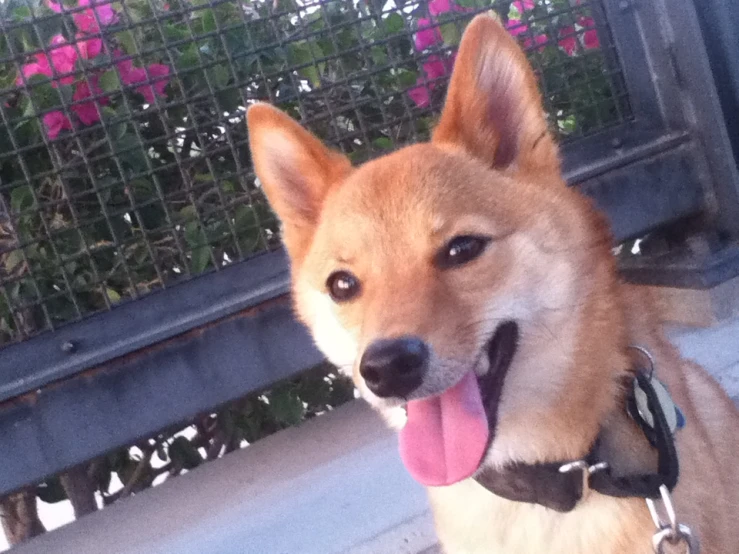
x: 673, y: 415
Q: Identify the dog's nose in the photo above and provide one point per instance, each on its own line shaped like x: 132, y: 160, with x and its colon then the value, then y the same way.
x: 394, y: 367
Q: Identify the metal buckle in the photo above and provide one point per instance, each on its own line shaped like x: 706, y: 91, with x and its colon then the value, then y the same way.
x: 586, y: 471
x: 669, y: 530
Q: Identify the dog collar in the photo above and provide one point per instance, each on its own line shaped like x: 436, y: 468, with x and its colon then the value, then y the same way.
x: 562, y: 485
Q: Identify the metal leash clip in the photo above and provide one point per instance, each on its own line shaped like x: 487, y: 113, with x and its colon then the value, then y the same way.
x: 670, y: 531
x: 586, y: 470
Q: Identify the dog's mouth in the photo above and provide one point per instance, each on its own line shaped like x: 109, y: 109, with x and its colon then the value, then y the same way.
x: 447, y: 436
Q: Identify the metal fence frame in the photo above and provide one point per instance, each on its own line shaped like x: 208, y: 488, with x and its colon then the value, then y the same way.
x: 119, y: 376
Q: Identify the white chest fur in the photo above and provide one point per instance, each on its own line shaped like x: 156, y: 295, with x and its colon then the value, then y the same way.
x: 471, y: 520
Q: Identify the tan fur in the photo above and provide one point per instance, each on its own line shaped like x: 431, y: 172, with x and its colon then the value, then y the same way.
x: 492, y: 168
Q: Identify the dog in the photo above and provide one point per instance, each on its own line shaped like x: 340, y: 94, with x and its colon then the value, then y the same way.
x: 475, y: 300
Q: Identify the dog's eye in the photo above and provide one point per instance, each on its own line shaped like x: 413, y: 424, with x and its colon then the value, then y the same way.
x: 460, y: 250
x: 342, y: 286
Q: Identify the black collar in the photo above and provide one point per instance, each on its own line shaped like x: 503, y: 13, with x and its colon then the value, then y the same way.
x: 560, y: 485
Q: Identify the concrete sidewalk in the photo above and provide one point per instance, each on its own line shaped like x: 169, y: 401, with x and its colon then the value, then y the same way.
x: 715, y: 348
x: 334, y: 485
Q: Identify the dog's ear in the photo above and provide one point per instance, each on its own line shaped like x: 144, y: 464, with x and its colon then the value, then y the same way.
x: 296, y: 171
x: 493, y: 108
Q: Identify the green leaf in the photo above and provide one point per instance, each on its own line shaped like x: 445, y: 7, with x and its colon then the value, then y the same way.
x: 315, y: 391
x: 189, y: 58
x: 113, y: 295
x: 109, y: 81
x: 229, y: 99
x: 21, y: 199
x: 183, y: 453
x: 51, y: 491
x: 161, y: 452
x: 188, y: 213
x: 129, y: 150
x: 27, y: 108
x: 286, y: 406
x: 12, y: 260
x: 43, y: 96
x: 198, y: 240
x: 83, y: 280
x: 203, y: 178
x: 378, y: 55
x: 141, y: 189
x: 175, y: 32
x: 66, y: 91
x: 567, y: 125
x: 394, y: 24
x: 28, y: 44
x: 313, y: 74
x: 21, y: 12
x: 451, y: 33
x: 383, y: 143
x: 209, y: 21
x: 200, y: 258
x: 244, y: 219
x: 101, y: 61
x: 300, y: 53
x: 219, y: 76
x: 127, y: 40
x: 141, y: 255
x: 406, y: 78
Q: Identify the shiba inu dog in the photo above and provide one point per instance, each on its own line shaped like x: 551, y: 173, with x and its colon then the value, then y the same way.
x: 475, y: 300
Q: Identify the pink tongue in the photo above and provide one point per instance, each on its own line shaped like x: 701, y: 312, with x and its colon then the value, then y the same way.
x: 446, y: 436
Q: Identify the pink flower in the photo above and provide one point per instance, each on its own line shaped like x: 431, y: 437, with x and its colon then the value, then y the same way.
x: 87, y: 112
x: 86, y: 20
x: 89, y: 48
x: 437, y: 7
x: 590, y: 37
x: 426, y: 35
x: 515, y: 27
x: 420, y: 94
x: 31, y: 69
x: 157, y: 85
x: 60, y: 60
x: 568, y: 41
x: 63, y: 58
x: 523, y: 5
x: 132, y: 75
x: 124, y: 66
x: 539, y: 40
x: 55, y: 123
x: 434, y: 68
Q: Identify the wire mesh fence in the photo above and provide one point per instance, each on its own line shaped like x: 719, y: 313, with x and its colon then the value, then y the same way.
x: 124, y: 164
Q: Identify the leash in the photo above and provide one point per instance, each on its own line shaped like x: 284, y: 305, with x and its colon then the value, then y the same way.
x: 562, y: 485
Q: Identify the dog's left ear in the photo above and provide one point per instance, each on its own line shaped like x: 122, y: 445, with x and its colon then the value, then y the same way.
x: 493, y: 109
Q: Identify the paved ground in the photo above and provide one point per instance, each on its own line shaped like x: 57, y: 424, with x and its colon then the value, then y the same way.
x: 716, y: 349
x: 332, y: 486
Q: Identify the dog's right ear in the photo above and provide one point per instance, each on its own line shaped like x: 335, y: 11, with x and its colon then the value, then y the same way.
x: 296, y: 171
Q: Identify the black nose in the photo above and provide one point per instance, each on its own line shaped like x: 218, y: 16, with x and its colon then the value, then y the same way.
x: 394, y: 367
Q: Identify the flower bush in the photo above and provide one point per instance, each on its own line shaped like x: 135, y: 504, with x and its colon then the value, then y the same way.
x: 545, y: 32
x: 61, y: 60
